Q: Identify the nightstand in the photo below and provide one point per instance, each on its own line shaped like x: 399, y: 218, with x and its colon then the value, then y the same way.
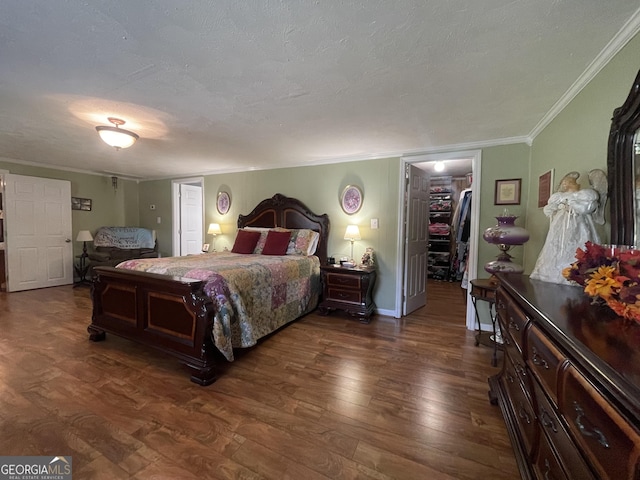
x: 348, y: 289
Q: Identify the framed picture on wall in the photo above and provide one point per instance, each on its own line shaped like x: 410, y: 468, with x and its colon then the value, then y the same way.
x: 508, y: 192
x: 223, y: 203
x: 545, y: 185
x: 81, y: 204
x: 351, y: 199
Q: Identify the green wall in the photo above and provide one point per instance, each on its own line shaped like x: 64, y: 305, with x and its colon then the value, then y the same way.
x: 499, y: 163
x: 577, y: 138
x: 109, y: 207
x: 319, y: 187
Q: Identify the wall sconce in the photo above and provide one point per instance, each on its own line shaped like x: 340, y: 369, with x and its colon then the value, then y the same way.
x: 214, y: 229
x: 352, y: 234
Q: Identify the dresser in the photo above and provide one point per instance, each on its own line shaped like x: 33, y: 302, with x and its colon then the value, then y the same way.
x: 569, y: 386
x: 348, y: 289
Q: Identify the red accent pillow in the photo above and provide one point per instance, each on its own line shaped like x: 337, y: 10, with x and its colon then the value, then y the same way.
x: 245, y: 241
x: 277, y: 243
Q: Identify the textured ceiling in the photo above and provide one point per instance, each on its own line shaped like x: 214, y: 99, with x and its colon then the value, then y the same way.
x: 216, y: 86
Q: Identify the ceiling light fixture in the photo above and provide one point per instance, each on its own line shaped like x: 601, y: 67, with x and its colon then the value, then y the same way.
x: 115, y: 136
x: 438, y: 166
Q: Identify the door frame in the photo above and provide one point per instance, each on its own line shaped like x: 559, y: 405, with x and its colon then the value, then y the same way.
x: 175, y: 198
x: 476, y: 161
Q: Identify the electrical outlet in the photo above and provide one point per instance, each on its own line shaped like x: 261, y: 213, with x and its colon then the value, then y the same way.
x: 374, y: 223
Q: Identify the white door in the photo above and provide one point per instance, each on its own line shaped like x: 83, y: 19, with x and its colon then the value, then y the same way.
x: 417, y: 239
x: 38, y: 225
x: 190, y: 219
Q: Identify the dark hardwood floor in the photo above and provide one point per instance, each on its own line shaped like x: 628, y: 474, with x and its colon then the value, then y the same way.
x: 326, y: 397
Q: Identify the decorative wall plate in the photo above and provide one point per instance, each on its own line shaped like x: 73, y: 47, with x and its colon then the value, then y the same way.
x: 351, y: 199
x: 223, y: 202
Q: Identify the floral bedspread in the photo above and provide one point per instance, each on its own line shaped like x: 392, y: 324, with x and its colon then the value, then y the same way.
x: 253, y: 295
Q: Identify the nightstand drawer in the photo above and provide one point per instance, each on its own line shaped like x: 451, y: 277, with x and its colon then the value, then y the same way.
x: 339, y: 280
x: 352, y: 296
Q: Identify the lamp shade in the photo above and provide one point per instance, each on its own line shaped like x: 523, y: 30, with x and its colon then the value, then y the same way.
x: 352, y: 233
x: 505, y: 235
x: 84, y: 236
x: 117, y: 137
x: 506, y: 232
x: 214, y: 229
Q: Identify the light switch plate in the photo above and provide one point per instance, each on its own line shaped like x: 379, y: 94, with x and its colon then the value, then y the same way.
x: 374, y: 223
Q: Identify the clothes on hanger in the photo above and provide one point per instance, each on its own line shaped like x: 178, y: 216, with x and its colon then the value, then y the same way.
x: 461, y: 226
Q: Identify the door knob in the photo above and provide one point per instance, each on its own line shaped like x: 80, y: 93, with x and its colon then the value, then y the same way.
x: 68, y: 240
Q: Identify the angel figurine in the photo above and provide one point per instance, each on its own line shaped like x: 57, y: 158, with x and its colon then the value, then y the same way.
x: 573, y: 213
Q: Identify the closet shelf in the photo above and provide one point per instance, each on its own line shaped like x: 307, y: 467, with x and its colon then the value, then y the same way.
x: 440, y: 206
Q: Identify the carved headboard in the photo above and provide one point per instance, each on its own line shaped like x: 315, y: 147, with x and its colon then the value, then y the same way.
x: 286, y: 212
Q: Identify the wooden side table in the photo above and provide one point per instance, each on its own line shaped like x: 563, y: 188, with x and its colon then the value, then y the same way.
x: 485, y: 290
x: 81, y: 269
x: 348, y: 289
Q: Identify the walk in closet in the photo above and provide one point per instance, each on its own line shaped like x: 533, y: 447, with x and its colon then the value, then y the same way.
x: 449, y: 227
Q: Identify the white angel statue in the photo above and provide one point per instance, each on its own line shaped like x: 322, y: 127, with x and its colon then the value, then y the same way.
x: 573, y: 213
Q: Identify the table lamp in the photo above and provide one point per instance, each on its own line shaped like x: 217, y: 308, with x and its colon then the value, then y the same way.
x: 214, y: 229
x: 505, y: 235
x: 84, y: 236
x: 352, y: 234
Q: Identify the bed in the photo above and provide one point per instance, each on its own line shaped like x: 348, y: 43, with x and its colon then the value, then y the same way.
x: 198, y: 311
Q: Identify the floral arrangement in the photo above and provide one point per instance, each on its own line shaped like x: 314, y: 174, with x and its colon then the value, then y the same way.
x: 610, y: 274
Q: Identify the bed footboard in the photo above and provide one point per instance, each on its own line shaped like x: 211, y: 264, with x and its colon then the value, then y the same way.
x: 171, y: 314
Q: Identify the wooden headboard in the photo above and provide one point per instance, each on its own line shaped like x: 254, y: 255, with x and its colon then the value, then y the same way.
x: 286, y: 212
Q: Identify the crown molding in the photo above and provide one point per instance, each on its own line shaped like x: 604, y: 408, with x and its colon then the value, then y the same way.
x: 626, y: 33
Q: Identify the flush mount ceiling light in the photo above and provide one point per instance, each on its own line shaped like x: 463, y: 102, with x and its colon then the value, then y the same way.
x: 115, y: 136
x: 438, y: 166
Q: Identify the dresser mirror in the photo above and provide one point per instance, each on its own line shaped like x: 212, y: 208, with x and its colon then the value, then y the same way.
x: 623, y: 165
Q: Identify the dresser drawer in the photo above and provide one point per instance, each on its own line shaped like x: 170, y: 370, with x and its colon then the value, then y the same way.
x: 342, y: 295
x: 521, y: 405
x: 512, y: 319
x: 609, y: 442
x: 544, y: 360
x: 343, y: 281
x: 515, y: 364
x: 558, y: 437
x: 546, y: 464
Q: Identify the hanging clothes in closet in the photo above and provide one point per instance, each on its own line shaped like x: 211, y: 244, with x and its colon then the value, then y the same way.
x: 461, y: 227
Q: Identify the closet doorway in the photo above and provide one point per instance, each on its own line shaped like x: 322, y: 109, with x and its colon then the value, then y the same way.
x: 464, y: 165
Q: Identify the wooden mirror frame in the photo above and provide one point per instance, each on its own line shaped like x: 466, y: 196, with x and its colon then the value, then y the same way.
x: 620, y: 166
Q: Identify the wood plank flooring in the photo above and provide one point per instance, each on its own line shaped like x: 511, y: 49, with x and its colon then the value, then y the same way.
x: 324, y: 398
